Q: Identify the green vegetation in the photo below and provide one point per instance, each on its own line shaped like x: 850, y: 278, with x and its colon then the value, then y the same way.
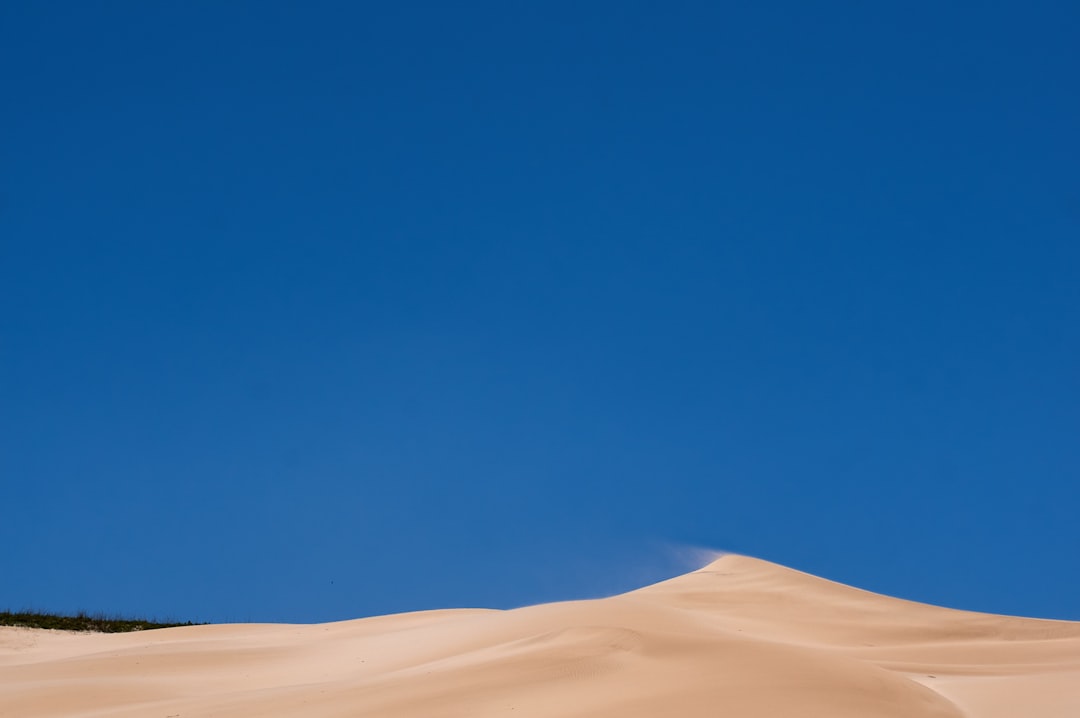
x: 98, y: 623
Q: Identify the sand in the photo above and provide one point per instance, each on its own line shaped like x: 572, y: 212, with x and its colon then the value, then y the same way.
x: 741, y: 637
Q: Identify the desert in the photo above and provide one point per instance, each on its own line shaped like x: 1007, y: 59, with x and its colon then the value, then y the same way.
x: 738, y: 637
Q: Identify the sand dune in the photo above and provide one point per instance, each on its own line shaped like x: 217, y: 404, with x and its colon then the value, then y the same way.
x: 740, y: 637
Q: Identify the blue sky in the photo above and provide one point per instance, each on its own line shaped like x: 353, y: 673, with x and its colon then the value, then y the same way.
x: 311, y: 311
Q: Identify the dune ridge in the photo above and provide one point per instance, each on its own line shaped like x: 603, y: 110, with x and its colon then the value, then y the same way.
x: 740, y: 637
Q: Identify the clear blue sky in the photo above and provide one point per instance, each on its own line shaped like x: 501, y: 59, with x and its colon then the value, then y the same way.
x: 312, y: 311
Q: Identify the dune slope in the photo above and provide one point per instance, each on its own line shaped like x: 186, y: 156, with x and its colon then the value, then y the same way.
x: 740, y: 637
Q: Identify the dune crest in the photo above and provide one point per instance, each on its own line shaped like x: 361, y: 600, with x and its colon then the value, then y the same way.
x: 740, y: 637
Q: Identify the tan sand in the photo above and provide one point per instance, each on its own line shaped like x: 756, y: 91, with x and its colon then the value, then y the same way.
x: 740, y: 637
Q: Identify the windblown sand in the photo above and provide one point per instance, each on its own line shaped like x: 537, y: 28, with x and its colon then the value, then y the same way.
x: 740, y: 637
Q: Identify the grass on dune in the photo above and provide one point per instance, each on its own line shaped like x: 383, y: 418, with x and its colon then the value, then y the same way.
x: 97, y: 623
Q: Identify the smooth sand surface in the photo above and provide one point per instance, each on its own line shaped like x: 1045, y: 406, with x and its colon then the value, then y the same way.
x: 740, y: 637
